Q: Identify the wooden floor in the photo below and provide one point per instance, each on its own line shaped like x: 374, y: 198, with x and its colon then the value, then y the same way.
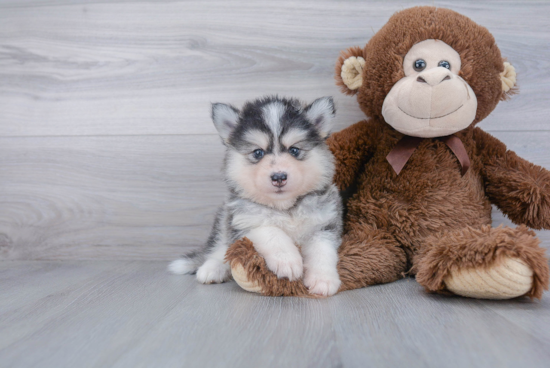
x: 134, y: 314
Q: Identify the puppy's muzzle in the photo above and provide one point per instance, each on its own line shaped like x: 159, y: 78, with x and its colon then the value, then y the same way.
x: 279, y: 179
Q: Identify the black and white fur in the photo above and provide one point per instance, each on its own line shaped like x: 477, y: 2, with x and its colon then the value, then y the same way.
x: 279, y: 172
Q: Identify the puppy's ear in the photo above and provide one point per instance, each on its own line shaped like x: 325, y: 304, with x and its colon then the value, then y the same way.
x: 225, y: 119
x: 321, y: 114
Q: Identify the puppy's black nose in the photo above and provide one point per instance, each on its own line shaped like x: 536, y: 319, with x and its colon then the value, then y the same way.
x: 278, y: 179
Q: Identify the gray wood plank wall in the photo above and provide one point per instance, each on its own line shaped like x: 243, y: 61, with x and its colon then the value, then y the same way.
x: 107, y: 150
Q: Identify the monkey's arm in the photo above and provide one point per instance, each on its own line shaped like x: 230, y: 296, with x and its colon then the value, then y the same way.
x: 352, y: 147
x: 520, y: 189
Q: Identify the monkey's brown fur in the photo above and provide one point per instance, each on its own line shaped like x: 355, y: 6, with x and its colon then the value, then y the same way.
x: 428, y: 220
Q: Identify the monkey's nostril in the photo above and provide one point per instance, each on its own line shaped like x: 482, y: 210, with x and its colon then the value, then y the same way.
x: 448, y: 77
x: 421, y: 80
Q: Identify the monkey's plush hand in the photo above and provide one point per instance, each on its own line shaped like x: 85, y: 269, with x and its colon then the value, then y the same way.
x: 520, y: 189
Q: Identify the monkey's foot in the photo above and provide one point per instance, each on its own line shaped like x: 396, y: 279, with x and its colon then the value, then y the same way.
x: 241, y: 278
x: 509, y: 278
x: 251, y: 273
x: 485, y: 262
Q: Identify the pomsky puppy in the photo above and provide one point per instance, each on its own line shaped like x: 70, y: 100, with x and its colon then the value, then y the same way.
x: 279, y: 172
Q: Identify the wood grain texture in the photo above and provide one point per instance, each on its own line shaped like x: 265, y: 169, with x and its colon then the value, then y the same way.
x: 107, y: 150
x: 150, y: 197
x: 133, y: 67
x: 107, y: 197
x: 134, y: 314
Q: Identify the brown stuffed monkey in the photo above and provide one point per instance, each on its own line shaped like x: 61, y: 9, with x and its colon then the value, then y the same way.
x: 419, y: 177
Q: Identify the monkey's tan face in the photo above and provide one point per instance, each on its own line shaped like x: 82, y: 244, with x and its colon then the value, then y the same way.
x: 431, y: 100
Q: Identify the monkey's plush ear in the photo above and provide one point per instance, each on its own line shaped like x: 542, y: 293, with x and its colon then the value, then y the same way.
x: 349, y: 70
x: 225, y: 119
x: 508, y: 79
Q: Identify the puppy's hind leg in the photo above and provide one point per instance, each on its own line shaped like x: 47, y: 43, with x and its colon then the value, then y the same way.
x: 214, y: 270
x: 209, y: 261
x: 210, y: 268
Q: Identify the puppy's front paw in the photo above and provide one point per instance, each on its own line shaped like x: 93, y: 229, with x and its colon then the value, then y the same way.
x: 213, y: 272
x: 286, y: 264
x: 322, y: 283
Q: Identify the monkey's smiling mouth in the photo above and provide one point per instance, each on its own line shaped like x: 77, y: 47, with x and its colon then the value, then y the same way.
x: 437, y: 117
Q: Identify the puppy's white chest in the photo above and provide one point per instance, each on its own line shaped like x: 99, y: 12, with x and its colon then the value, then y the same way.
x: 308, y: 218
x: 299, y: 223
x: 297, y: 227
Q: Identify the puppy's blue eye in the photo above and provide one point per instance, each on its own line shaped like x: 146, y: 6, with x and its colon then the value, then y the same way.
x: 419, y: 65
x: 445, y: 64
x: 294, y: 151
x: 258, y: 154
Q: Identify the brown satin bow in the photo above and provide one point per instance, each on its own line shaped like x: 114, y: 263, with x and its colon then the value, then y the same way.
x: 404, y: 149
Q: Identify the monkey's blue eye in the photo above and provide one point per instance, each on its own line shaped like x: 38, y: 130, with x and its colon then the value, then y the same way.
x: 258, y: 154
x: 294, y: 151
x: 445, y: 64
x: 419, y: 65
